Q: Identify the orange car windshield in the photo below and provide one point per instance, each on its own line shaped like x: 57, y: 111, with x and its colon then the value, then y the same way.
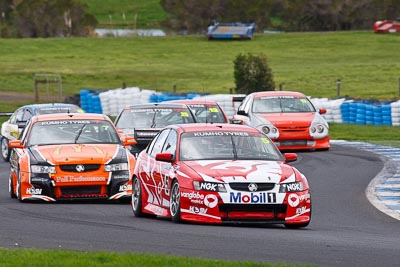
x: 72, y: 132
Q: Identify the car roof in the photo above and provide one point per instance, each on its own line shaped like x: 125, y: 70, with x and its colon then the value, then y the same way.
x: 48, y: 105
x: 155, y: 105
x: 278, y: 93
x: 196, y: 127
x: 70, y: 116
x: 193, y: 102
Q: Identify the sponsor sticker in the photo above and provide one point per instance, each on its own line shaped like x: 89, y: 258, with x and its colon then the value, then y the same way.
x: 253, y: 198
x: 293, y: 200
x: 211, y: 201
x: 198, y: 210
x: 125, y: 187
x: 71, y: 179
x: 34, y: 191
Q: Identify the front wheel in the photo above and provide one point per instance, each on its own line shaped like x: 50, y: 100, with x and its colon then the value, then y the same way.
x: 137, y: 198
x: 11, y: 188
x: 5, y: 151
x: 175, y: 203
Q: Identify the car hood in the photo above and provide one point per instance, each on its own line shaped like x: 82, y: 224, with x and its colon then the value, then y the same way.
x: 228, y: 171
x: 78, y: 153
x: 298, y: 119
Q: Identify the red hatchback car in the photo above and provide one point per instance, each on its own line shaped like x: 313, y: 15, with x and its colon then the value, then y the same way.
x: 219, y: 173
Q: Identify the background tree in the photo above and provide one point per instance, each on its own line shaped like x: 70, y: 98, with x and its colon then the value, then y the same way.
x: 252, y: 74
x: 53, y: 18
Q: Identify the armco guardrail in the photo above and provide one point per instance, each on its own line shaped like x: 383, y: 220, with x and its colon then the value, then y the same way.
x: 5, y: 114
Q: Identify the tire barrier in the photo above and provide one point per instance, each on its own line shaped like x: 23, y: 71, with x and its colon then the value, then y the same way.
x: 367, y: 112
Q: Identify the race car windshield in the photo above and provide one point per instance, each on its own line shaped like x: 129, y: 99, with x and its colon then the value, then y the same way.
x: 282, y: 104
x: 72, y: 132
x: 204, y: 113
x: 55, y: 109
x: 227, y: 146
x: 153, y: 117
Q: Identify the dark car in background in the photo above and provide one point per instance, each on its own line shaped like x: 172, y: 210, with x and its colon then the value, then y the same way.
x: 205, y: 111
x: 144, y: 121
x: 11, y: 128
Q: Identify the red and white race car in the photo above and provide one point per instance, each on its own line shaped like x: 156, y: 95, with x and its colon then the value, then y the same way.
x: 219, y: 173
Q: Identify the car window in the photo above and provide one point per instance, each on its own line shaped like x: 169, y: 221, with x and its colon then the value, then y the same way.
x: 157, y: 117
x: 208, y: 113
x: 282, y: 104
x: 170, y: 143
x: 58, y: 109
x: 158, y: 142
x: 227, y: 146
x: 27, y: 115
x: 18, y: 115
x: 73, y: 132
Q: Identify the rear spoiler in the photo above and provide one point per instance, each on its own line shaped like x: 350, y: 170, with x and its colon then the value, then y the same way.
x: 237, y: 99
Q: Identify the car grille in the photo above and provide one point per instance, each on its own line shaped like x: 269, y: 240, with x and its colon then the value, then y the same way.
x: 72, y: 167
x: 82, y: 192
x: 245, y: 186
x: 293, y: 143
x: 272, y: 213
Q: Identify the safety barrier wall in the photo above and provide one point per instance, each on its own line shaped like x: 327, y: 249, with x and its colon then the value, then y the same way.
x: 111, y: 102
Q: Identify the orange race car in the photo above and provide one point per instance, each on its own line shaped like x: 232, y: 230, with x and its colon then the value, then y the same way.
x: 71, y: 156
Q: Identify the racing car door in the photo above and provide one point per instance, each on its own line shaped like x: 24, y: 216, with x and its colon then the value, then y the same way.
x: 155, y: 181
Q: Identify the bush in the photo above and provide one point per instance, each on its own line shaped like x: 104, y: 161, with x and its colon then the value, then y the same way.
x: 252, y: 74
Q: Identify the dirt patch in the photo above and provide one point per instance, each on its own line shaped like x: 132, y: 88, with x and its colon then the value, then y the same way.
x: 14, y: 97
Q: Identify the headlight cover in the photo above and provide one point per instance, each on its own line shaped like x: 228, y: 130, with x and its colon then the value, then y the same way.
x: 43, y: 169
x: 270, y: 130
x: 319, y: 127
x: 116, y: 167
x: 209, y: 186
x: 291, y: 187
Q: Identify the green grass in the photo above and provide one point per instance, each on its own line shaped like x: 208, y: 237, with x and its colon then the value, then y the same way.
x: 138, y: 14
x: 54, y: 258
x: 366, y: 63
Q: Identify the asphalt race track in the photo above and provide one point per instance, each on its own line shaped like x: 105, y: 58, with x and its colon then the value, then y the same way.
x: 345, y: 228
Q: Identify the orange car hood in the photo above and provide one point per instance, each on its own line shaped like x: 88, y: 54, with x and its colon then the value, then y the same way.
x: 78, y: 153
x: 289, y: 119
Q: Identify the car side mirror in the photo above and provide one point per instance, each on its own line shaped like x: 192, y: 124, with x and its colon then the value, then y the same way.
x: 21, y: 124
x: 166, y: 157
x: 290, y: 157
x: 129, y: 141
x: 237, y: 121
x: 322, y: 111
x: 15, y: 144
x: 241, y: 112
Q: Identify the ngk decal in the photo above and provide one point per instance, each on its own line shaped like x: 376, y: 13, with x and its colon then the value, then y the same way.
x: 293, y: 200
x: 253, y: 198
x: 34, y: 191
x: 211, y: 201
x: 208, y: 186
x: 294, y: 187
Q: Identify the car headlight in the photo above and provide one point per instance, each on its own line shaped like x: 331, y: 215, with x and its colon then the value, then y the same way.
x: 291, y: 187
x: 209, y: 186
x: 43, y: 169
x: 270, y: 130
x: 318, y: 130
x: 116, y: 167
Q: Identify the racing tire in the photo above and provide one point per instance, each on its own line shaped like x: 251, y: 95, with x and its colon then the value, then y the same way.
x: 19, y: 188
x: 175, y: 202
x: 5, y: 151
x: 11, y: 188
x: 136, y: 202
